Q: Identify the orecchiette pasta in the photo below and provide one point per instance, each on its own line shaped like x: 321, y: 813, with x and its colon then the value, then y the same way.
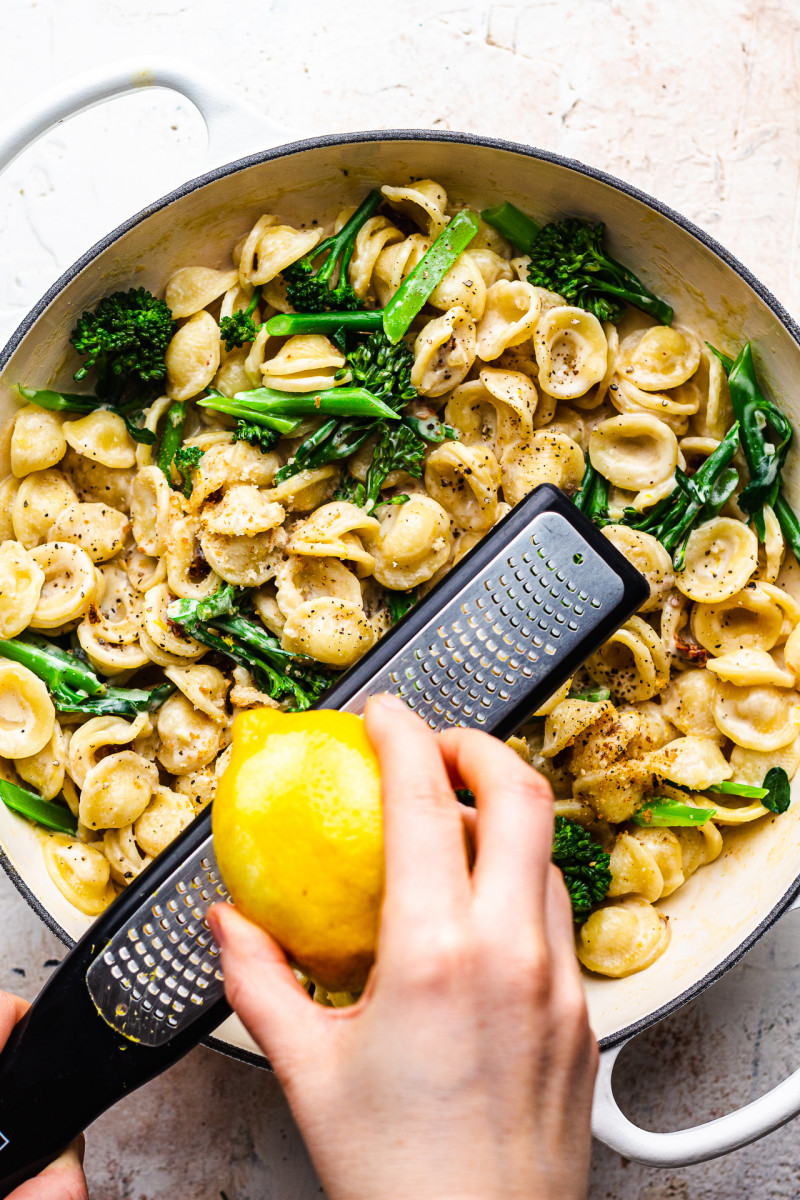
x: 81, y: 873
x: 509, y: 316
x: 96, y: 528
x: 188, y: 737
x: 37, y: 442
x: 413, y: 543
x: 38, y: 500
x: 465, y: 481
x: 193, y: 288
x: 27, y: 715
x: 424, y: 202
x: 444, y: 352
x: 571, y: 351
x: 293, y: 552
x: 620, y: 939
x: 758, y: 718
x: 21, y: 582
x: 634, y: 451
x: 102, y: 437
x: 662, y: 357
x: 305, y: 363
x: 192, y: 358
x: 720, y: 558
x: 69, y: 587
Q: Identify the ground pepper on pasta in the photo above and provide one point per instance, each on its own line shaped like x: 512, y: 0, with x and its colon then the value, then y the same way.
x: 254, y: 514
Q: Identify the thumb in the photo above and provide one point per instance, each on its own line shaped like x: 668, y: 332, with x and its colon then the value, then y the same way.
x: 263, y: 990
x: 63, y: 1179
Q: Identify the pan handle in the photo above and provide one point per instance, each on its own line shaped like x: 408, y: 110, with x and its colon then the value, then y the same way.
x: 699, y: 1143
x: 234, y: 126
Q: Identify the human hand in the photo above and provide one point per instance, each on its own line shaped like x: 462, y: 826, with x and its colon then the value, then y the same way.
x: 466, y: 1068
x: 63, y: 1179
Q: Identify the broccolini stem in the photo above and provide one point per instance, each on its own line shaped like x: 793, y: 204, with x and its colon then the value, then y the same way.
x: 172, y: 437
x: 739, y: 789
x: 364, y: 321
x: 407, y: 300
x: 336, y: 402
x: 34, y: 808
x: 344, y: 240
x: 234, y: 408
x: 120, y: 702
x: 790, y: 525
x: 512, y: 222
x: 55, y: 667
x: 663, y: 812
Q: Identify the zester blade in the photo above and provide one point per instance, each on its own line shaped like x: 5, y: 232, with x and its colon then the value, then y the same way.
x: 501, y: 632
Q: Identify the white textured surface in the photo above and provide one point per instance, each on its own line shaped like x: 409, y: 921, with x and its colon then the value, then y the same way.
x: 694, y: 103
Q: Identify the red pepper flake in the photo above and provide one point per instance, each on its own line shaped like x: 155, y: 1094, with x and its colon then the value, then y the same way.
x: 317, y: 401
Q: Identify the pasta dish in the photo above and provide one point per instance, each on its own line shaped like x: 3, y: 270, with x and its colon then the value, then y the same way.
x: 272, y: 462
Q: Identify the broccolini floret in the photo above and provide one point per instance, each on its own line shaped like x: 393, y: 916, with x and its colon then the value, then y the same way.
x: 125, y: 339
x: 568, y: 257
x: 583, y: 864
x: 240, y: 327
x: 313, y: 291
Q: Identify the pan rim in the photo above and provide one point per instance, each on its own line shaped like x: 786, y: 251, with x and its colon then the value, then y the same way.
x: 453, y: 138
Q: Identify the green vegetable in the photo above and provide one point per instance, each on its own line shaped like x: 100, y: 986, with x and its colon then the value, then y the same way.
x: 73, y: 685
x: 583, y: 864
x: 399, y: 448
x: 247, y: 413
x: 185, y: 461
x: 385, y: 371
x: 399, y: 603
x: 125, y: 339
x: 68, y: 680
x: 364, y: 321
x: 778, y: 797
x: 568, y: 257
x: 766, y: 436
x: 775, y: 793
x: 428, y: 273
x: 171, y: 437
x: 240, y: 327
x: 314, y: 291
x: 466, y: 797
x: 661, y: 811
x: 739, y: 789
x: 594, y: 695
x: 592, y: 496
x: 407, y: 300
x: 69, y: 402
x: 256, y: 435
x: 514, y: 225
x: 43, y: 812
x: 672, y: 520
x: 217, y: 623
x: 267, y: 402
x: 121, y: 702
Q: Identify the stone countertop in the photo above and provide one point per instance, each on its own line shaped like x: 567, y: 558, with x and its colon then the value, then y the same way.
x: 694, y: 104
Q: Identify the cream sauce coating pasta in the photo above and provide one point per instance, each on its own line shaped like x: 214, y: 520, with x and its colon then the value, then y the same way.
x: 97, y: 541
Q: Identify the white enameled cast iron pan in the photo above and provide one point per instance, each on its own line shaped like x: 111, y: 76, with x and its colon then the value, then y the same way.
x: 721, y: 911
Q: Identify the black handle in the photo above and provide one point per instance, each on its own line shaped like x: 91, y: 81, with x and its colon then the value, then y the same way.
x: 63, y: 1065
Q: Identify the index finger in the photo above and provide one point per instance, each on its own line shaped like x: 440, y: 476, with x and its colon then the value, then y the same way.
x: 426, y: 862
x: 514, y: 828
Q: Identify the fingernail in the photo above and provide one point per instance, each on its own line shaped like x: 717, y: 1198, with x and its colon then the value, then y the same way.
x: 216, y: 923
x: 394, y: 703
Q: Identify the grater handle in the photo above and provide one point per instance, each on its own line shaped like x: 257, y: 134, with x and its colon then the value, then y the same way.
x: 64, y: 1065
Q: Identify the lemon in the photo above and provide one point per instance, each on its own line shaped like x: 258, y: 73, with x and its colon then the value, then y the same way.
x: 298, y: 836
